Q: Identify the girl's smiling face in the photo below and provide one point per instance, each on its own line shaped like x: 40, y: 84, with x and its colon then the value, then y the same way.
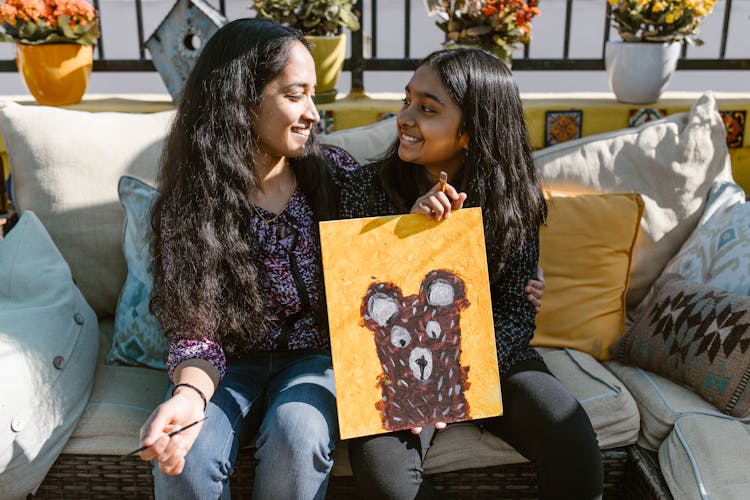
x: 429, y: 126
x: 287, y: 113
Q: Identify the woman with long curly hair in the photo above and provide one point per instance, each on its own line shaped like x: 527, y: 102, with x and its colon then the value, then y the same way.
x: 238, y: 281
x: 463, y: 115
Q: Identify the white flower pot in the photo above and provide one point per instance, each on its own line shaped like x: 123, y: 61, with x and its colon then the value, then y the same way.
x: 640, y: 71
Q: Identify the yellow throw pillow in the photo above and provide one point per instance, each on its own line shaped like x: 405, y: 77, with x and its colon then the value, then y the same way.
x: 586, y: 249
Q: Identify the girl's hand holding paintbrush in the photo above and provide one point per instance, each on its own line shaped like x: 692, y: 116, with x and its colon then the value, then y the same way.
x: 440, y: 200
x: 180, y: 411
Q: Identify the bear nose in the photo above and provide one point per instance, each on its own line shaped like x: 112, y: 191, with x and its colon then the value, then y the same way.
x: 422, y: 363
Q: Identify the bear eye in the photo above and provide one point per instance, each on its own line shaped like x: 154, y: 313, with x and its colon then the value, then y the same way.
x: 400, y: 337
x: 433, y: 329
x: 440, y: 293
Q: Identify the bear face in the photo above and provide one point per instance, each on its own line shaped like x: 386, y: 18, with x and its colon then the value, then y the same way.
x: 418, y: 341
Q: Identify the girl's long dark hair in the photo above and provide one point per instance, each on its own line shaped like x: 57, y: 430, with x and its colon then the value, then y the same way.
x: 498, y: 172
x: 206, y: 279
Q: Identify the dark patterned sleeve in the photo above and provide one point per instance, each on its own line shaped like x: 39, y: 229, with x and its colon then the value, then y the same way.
x: 511, y: 310
x: 362, y: 195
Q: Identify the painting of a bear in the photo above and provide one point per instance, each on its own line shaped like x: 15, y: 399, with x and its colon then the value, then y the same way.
x: 418, y: 342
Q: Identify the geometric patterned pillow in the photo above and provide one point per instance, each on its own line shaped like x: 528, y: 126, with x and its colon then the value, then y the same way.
x: 138, y: 338
x: 696, y: 335
x: 718, y: 251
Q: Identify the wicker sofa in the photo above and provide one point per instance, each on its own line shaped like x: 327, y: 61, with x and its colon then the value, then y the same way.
x: 72, y: 189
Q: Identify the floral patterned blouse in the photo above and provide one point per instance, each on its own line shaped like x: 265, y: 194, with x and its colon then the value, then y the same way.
x: 291, y: 278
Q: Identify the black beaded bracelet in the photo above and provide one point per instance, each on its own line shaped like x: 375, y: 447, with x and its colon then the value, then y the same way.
x: 200, y: 393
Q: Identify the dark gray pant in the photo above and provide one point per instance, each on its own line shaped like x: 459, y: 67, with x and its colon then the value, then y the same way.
x: 541, y: 420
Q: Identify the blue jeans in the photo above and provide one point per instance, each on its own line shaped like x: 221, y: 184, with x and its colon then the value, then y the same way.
x: 288, y: 400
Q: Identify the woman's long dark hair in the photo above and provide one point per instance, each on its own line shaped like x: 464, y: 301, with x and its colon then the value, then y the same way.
x: 206, y: 279
x: 498, y: 172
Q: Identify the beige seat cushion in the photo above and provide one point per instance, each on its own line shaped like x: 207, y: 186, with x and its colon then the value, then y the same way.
x: 707, y: 457
x: 660, y: 402
x: 65, y: 168
x: 48, y: 347
x: 117, y: 409
x: 122, y: 399
x: 607, y: 402
x: 671, y: 163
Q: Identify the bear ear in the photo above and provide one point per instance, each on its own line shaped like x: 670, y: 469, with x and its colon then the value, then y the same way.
x: 442, y: 288
x: 382, y: 308
x: 440, y: 293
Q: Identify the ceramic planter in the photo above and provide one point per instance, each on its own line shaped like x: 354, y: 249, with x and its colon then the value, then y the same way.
x: 329, y: 53
x: 640, y: 71
x: 55, y: 74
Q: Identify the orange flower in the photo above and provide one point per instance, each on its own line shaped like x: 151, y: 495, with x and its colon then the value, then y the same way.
x: 45, y: 14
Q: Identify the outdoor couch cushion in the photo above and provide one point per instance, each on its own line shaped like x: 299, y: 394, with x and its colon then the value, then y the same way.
x: 607, y: 402
x: 364, y: 143
x: 123, y: 397
x: 587, y: 274
x: 660, y: 402
x: 65, y: 166
x: 48, y: 348
x: 671, y: 162
x: 696, y: 335
x: 706, y: 457
x: 138, y: 337
x: 717, y: 253
x: 121, y: 400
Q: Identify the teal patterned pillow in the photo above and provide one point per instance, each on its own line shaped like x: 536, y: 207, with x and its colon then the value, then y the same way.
x: 138, y: 339
x: 717, y: 253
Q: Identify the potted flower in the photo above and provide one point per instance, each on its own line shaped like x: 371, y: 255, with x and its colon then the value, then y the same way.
x: 322, y: 22
x: 498, y: 26
x: 50, y: 35
x: 653, y: 32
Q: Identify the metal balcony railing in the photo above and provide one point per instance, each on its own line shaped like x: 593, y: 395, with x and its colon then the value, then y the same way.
x: 364, y: 55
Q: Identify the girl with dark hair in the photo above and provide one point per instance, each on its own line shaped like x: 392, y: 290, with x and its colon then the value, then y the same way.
x: 462, y: 114
x: 238, y: 281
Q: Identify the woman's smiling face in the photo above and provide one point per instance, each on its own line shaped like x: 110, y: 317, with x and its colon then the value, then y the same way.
x: 287, y: 113
x: 429, y: 125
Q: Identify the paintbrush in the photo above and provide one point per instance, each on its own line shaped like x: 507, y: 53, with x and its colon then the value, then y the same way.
x: 443, y: 180
x: 173, y: 433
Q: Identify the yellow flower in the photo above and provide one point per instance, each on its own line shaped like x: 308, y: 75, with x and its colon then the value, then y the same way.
x: 659, y: 20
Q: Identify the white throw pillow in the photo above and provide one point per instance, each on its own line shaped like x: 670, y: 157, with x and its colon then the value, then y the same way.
x: 365, y: 143
x: 48, y: 348
x: 671, y: 162
x: 66, y: 165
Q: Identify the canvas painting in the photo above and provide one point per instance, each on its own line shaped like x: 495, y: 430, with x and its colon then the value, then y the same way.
x: 410, y: 318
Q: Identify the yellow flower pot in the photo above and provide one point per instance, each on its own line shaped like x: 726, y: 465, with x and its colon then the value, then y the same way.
x: 56, y: 74
x: 329, y: 53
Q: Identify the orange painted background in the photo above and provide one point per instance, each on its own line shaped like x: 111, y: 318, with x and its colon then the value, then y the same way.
x: 402, y: 250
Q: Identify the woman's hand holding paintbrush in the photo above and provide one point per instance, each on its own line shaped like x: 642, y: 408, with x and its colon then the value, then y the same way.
x: 440, y: 200
x: 171, y: 430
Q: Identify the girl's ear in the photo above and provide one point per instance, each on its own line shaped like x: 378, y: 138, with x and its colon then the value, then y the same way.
x: 463, y: 140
